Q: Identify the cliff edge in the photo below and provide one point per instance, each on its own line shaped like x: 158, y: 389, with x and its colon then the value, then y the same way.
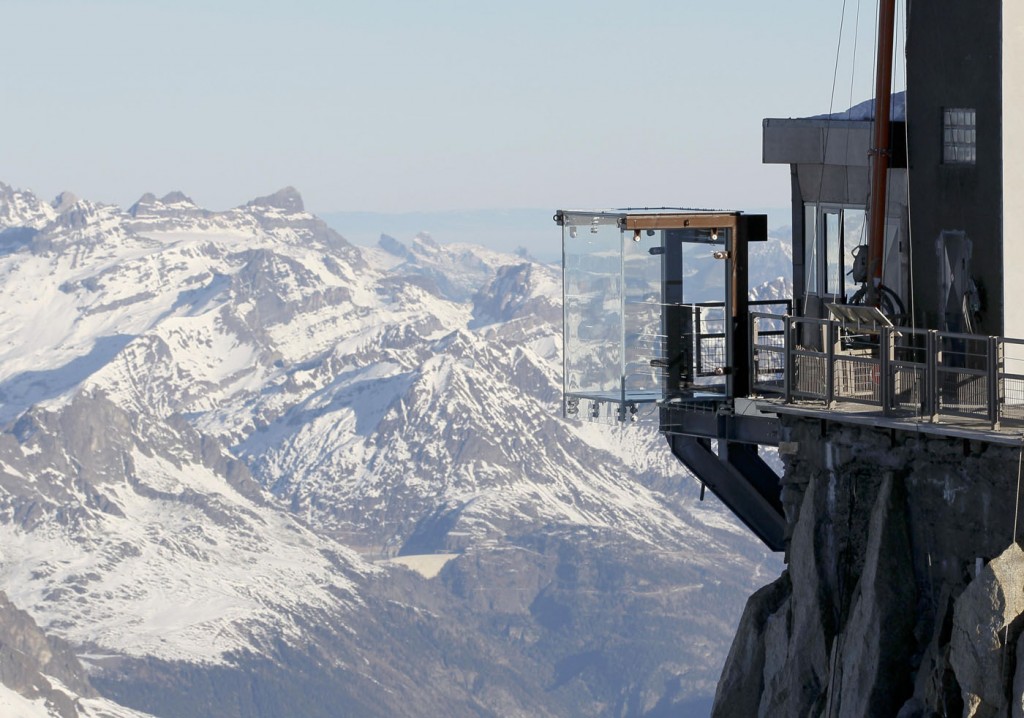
x: 904, y: 591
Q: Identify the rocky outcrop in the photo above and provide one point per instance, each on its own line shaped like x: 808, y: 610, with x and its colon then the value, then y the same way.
x: 31, y: 663
x: 742, y: 682
x: 901, y: 597
x: 63, y: 202
x: 986, y: 623
x: 393, y: 246
x: 287, y: 199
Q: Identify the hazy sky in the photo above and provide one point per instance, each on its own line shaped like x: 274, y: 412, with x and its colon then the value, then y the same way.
x: 401, y: 105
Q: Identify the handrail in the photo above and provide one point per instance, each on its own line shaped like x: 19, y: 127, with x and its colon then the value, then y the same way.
x: 934, y: 376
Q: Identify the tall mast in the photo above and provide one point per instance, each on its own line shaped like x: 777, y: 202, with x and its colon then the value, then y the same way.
x: 880, y: 149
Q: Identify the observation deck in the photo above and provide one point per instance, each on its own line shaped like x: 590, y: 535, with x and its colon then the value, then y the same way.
x: 657, y: 322
x: 904, y: 378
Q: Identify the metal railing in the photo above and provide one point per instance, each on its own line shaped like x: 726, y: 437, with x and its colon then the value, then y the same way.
x: 936, y: 376
x: 709, y: 332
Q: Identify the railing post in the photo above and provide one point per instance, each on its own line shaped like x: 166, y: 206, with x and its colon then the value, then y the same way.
x: 698, y: 348
x: 752, y: 352
x: 931, y: 375
x: 788, y: 361
x: 830, y: 364
x: 995, y: 364
x: 885, y: 382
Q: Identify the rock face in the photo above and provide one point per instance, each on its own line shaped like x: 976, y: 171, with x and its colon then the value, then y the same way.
x: 986, y: 615
x: 901, y: 596
x: 41, y: 676
x: 287, y: 199
x: 26, y: 655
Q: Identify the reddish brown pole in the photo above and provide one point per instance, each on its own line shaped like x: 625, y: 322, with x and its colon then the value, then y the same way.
x: 880, y: 149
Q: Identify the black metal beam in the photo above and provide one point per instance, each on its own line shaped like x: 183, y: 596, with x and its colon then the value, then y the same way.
x: 739, y: 492
x: 753, y: 468
x: 715, y: 424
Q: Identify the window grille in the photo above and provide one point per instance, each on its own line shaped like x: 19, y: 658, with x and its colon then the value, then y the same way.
x: 959, y: 145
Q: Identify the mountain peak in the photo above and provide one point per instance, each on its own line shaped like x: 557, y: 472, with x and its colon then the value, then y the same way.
x: 63, y: 202
x: 287, y: 199
x: 145, y: 200
x: 176, y: 197
x: 393, y: 246
x: 424, y: 239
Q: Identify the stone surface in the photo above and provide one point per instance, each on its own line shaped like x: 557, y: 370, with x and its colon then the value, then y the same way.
x: 1017, y: 696
x: 796, y: 654
x: 889, y: 613
x: 879, y: 634
x: 986, y: 622
x: 740, y: 687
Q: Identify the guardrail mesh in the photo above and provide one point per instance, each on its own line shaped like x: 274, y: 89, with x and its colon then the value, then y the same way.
x: 933, y: 375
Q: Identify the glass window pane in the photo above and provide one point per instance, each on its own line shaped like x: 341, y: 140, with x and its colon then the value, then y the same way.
x: 958, y: 136
x: 833, y: 254
x: 853, y: 237
x: 703, y: 300
x: 810, y: 249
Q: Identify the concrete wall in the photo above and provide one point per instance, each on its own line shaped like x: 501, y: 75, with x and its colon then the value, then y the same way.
x: 1013, y: 166
x: 954, y: 60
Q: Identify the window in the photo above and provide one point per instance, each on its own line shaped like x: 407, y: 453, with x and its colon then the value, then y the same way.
x: 833, y: 254
x: 959, y: 146
x: 831, y: 234
x: 811, y: 248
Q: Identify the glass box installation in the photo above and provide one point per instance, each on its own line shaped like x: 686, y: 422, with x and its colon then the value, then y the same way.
x: 646, y: 309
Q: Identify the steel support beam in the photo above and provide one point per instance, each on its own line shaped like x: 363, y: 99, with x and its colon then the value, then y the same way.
x: 741, y: 480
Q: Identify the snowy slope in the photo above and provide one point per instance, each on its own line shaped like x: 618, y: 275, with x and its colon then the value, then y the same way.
x: 14, y: 705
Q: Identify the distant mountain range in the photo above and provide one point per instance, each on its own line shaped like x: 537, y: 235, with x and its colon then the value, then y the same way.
x: 499, y: 229
x: 250, y: 469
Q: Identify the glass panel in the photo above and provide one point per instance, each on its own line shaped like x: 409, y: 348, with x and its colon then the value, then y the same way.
x: 833, y: 255
x: 853, y: 237
x: 592, y: 296
x: 643, y: 315
x: 892, y: 265
x: 810, y: 249
x: 703, y: 275
x: 644, y: 338
x: 959, y: 138
x: 702, y: 353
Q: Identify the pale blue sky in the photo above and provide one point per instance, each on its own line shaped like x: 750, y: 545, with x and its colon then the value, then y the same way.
x: 402, y: 105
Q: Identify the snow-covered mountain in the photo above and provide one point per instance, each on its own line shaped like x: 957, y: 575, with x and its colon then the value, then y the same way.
x: 226, y: 434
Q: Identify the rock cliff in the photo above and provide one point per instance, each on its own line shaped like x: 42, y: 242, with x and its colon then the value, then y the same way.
x: 904, y: 590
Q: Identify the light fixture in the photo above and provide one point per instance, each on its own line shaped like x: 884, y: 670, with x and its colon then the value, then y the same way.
x: 714, y: 234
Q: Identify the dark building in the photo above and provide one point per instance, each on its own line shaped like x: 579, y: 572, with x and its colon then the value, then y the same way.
x: 955, y: 215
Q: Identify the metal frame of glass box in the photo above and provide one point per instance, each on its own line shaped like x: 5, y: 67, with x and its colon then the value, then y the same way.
x: 646, y: 319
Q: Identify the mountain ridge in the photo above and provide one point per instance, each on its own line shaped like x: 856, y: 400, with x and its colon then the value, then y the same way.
x: 219, y: 421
